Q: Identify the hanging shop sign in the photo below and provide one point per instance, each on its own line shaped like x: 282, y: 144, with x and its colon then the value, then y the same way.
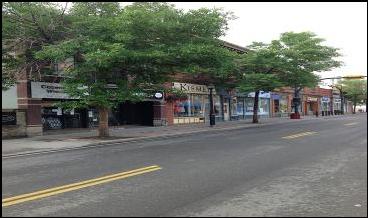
x: 337, y: 100
x: 325, y: 99
x: 158, y: 95
x: 192, y: 88
x: 48, y: 90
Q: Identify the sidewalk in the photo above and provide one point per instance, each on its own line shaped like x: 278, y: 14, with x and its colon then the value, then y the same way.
x: 81, y: 138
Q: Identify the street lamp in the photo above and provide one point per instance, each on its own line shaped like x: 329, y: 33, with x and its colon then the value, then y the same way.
x: 212, y: 112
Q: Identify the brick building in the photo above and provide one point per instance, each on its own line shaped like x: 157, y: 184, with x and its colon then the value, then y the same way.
x: 30, y: 105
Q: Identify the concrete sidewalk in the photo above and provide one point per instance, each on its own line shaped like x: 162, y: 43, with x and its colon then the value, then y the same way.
x: 82, y: 138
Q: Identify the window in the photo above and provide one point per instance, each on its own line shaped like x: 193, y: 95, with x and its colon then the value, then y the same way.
x: 61, y: 67
x: 233, y: 107
x: 240, y: 107
x: 283, y: 104
x: 263, y: 106
x: 196, y: 106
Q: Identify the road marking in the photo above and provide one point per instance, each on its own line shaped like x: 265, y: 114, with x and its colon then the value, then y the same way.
x: 75, y: 186
x: 298, y: 135
x: 350, y: 124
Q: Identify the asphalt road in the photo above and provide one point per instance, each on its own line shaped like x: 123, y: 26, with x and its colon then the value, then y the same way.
x: 246, y: 172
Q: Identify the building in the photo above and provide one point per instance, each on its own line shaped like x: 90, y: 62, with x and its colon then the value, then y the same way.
x: 36, y: 101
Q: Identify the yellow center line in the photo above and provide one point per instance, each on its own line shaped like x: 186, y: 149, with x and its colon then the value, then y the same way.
x: 350, y: 124
x: 75, y: 186
x: 298, y: 135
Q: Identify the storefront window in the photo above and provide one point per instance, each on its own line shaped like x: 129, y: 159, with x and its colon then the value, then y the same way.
x: 263, y: 106
x: 234, y: 107
x: 182, y: 108
x: 283, y: 104
x: 196, y: 106
x: 240, y: 107
x: 249, y: 105
x: 217, y: 105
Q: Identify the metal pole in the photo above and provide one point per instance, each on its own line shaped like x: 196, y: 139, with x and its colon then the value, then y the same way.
x: 342, y: 101
x: 212, y: 113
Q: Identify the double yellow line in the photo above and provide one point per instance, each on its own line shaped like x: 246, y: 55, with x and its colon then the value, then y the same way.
x: 299, y: 135
x: 75, y: 186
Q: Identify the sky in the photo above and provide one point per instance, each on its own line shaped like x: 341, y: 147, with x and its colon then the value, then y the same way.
x: 342, y: 24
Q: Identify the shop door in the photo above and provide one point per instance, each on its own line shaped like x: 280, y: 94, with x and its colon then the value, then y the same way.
x: 139, y: 113
x: 226, y: 111
x: 276, y: 106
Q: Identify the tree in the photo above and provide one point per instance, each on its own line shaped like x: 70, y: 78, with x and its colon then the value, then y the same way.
x: 258, y: 67
x: 136, y: 48
x: 355, y: 91
x: 302, y: 54
x: 26, y: 27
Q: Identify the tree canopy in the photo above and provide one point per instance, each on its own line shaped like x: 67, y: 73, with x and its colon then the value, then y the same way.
x: 355, y: 90
x: 136, y: 48
x: 302, y: 54
x: 257, y: 73
x: 26, y: 27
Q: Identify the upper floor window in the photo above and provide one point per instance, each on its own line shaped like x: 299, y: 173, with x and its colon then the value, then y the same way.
x: 61, y: 67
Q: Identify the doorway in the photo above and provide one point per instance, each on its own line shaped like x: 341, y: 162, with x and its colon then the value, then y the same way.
x: 138, y: 113
x: 226, y: 111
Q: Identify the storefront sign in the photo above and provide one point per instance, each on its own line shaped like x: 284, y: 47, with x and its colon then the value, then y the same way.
x: 48, y: 90
x: 337, y: 100
x: 192, y: 88
x: 261, y: 94
x: 9, y: 118
x: 325, y: 99
x: 275, y: 96
x: 312, y: 99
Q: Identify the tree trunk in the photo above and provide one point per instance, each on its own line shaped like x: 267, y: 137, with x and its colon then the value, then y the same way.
x: 296, y: 105
x: 355, y: 103
x: 103, y: 126
x: 255, y: 107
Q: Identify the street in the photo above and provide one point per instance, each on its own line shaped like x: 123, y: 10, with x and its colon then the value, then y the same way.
x: 307, y: 168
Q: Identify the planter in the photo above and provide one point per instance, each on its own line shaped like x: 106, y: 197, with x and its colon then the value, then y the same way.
x: 295, y: 116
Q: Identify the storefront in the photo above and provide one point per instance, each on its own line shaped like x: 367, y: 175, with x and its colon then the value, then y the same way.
x: 195, y: 108
x: 325, y: 108
x: 280, y: 104
x: 245, y: 105
x: 53, y: 117
x: 336, y: 104
x: 311, y: 105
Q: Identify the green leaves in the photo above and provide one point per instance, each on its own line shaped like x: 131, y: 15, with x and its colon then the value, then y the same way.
x: 142, y: 43
x: 302, y: 54
x: 355, y: 90
x: 258, y: 68
x: 259, y: 81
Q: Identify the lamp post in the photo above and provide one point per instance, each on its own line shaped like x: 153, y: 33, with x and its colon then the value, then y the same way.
x: 212, y: 113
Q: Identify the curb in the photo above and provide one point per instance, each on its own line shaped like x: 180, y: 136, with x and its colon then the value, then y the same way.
x: 130, y: 140
x: 145, y: 138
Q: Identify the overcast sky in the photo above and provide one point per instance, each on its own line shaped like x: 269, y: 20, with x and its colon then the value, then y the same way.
x: 343, y: 25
